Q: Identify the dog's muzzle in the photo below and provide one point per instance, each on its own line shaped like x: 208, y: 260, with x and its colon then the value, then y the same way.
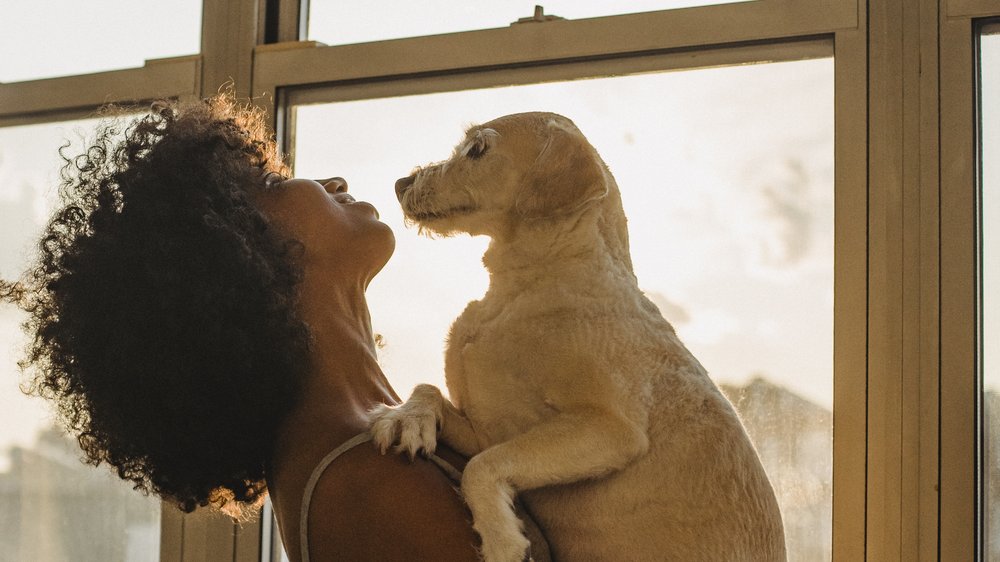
x: 402, y: 184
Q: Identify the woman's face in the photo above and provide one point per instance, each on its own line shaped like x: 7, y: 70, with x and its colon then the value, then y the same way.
x: 338, y: 232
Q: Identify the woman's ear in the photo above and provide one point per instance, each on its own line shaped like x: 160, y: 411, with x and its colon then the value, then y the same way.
x: 566, y: 176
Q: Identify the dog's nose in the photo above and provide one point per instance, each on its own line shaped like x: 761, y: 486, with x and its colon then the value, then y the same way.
x: 402, y: 184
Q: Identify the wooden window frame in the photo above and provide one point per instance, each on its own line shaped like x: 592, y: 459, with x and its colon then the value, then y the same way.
x: 905, y: 335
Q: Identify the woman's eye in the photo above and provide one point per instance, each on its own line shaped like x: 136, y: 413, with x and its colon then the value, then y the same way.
x: 273, y: 180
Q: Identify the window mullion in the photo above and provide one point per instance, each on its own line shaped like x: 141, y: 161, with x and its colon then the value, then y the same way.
x: 850, y: 288
x: 230, y: 30
x: 958, y: 291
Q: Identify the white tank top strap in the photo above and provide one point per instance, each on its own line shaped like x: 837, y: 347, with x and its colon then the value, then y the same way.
x: 311, y: 484
x: 317, y: 472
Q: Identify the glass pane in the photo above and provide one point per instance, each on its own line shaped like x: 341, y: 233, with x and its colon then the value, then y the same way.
x: 271, y: 548
x: 63, y: 37
x: 727, y: 180
x: 54, y: 506
x: 990, y: 139
x: 336, y: 22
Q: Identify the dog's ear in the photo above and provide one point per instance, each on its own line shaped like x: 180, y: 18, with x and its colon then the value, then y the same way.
x: 566, y: 176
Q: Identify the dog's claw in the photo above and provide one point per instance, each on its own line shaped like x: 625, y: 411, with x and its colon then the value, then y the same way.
x: 383, y: 429
x: 411, y: 427
x: 400, y: 449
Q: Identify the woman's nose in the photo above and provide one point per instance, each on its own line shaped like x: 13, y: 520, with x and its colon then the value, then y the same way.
x: 402, y: 184
x: 335, y: 185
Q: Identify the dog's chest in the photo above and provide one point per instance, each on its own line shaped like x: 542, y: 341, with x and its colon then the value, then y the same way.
x: 498, y: 373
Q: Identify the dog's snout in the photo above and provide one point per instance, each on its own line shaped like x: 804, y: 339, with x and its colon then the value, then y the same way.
x: 402, y: 184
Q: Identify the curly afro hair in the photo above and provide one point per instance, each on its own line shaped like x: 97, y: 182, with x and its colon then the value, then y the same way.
x: 162, y: 305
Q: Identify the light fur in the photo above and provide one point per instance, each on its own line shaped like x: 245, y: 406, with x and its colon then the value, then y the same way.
x: 567, y: 386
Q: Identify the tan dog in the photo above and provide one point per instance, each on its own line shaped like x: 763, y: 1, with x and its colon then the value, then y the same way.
x: 567, y: 385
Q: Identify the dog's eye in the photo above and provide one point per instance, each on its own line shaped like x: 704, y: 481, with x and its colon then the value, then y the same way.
x: 480, y: 143
x: 477, y: 148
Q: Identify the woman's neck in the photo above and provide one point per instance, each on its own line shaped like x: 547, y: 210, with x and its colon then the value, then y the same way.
x: 345, y: 376
x: 343, y: 383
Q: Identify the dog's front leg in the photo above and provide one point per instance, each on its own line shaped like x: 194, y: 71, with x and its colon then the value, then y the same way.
x: 415, y: 424
x: 573, y: 446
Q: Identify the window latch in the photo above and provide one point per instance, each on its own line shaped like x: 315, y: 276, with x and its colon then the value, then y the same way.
x: 538, y: 17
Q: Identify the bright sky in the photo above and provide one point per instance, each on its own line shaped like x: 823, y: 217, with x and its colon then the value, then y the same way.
x: 336, y: 22
x: 61, y: 37
x: 991, y: 208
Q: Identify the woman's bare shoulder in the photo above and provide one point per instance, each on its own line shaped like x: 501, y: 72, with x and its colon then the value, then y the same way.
x: 369, y: 506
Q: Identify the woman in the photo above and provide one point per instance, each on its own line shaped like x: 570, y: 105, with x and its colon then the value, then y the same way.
x: 200, y: 322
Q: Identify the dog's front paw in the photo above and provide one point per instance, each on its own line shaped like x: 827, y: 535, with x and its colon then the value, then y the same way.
x: 412, y: 425
x: 513, y: 548
x: 491, y: 502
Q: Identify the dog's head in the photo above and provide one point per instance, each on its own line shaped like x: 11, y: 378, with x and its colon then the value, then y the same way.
x: 521, y: 167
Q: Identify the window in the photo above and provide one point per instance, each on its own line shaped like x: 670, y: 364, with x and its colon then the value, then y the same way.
x: 914, y: 371
x: 54, y: 506
x: 336, y: 22
x: 63, y: 37
x: 989, y: 148
x: 727, y: 171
